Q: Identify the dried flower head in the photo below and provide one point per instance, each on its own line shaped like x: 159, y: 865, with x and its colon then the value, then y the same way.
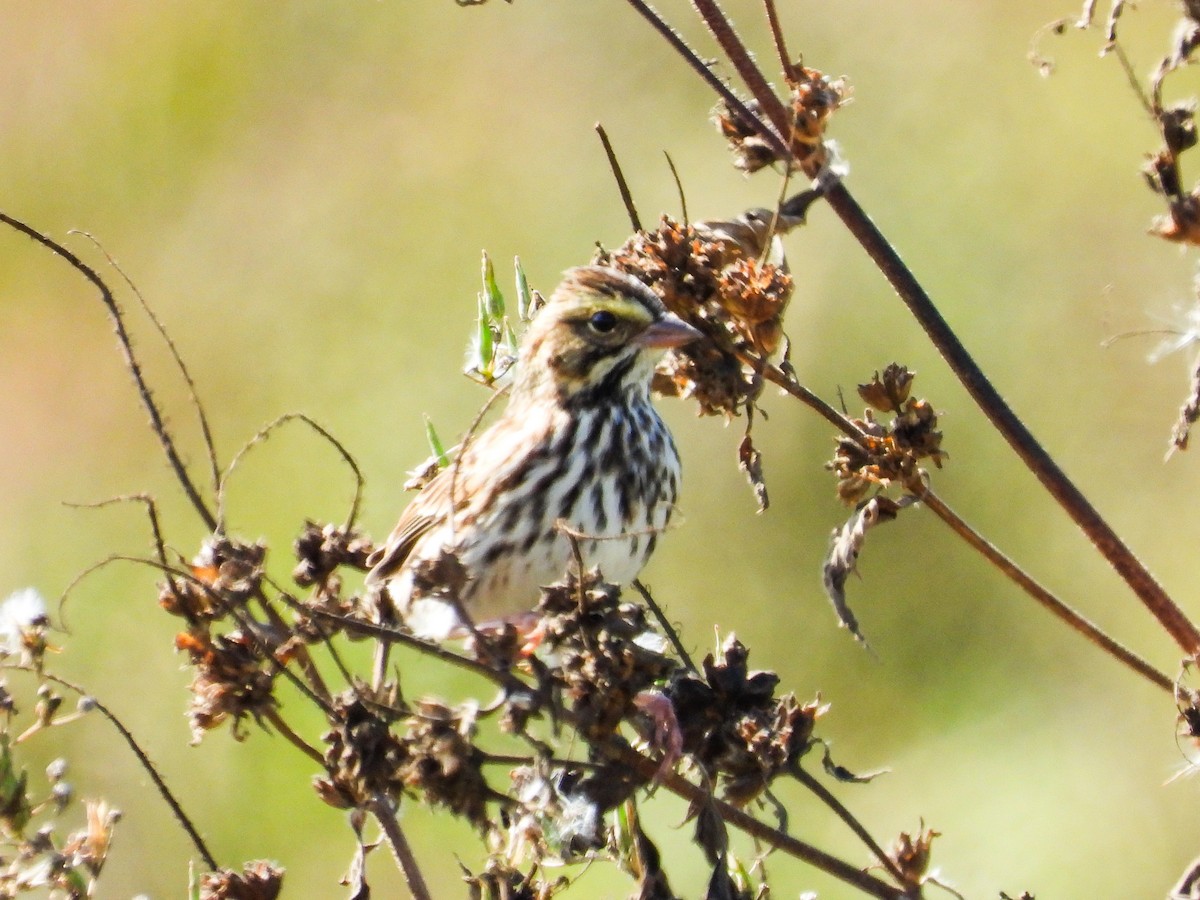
x: 225, y: 573
x: 712, y: 275
x: 232, y: 680
x: 322, y: 549
x: 500, y: 880
x: 259, y: 880
x: 23, y: 626
x: 911, y: 854
x: 605, y: 651
x: 813, y: 97
x: 362, y: 755
x: 751, y: 151
x: 888, y: 454
x: 441, y: 762
x: 735, y: 728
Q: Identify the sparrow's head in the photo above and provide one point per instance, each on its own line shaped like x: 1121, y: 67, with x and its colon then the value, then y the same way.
x: 599, y: 335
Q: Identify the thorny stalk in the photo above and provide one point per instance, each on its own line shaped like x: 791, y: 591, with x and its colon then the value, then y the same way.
x: 982, y: 391
x: 131, y: 363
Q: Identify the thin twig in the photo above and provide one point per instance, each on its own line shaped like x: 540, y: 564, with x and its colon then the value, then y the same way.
x: 160, y: 546
x: 384, y: 812
x: 300, y: 652
x: 622, y: 184
x: 665, y: 623
x: 263, y: 433
x: 193, y: 394
x: 807, y: 779
x: 143, y: 760
x: 326, y: 640
x: 785, y: 61
x: 683, y: 210
x: 272, y: 715
x: 131, y: 363
x: 829, y: 413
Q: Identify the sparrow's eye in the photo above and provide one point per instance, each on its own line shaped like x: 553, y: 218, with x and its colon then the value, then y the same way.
x: 602, y: 321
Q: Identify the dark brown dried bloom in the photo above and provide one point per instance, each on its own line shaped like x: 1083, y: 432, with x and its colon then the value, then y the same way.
x: 710, y: 275
x: 888, y: 454
x: 226, y: 573
x: 362, y: 757
x: 887, y: 393
x: 735, y: 727
x: 501, y: 881
x: 813, y: 98
x: 607, y: 652
x: 322, y: 549
x: 911, y: 854
x: 441, y: 762
x: 751, y: 151
x: 232, y: 679
x: 259, y: 880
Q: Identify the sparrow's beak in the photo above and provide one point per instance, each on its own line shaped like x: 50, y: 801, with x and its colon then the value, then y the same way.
x: 669, y: 331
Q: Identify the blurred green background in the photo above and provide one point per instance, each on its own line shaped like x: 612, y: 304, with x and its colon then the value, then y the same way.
x: 302, y: 192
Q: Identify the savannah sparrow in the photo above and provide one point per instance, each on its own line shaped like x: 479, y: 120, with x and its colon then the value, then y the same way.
x: 579, y: 443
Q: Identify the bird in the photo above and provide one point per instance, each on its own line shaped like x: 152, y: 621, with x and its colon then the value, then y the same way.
x: 579, y: 445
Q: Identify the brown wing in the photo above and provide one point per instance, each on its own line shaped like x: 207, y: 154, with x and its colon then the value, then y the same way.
x: 428, y: 510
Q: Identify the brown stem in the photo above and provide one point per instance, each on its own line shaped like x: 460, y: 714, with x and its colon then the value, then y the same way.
x: 303, y: 658
x: 785, y: 61
x: 1035, y: 590
x: 823, y: 794
x: 622, y: 184
x: 385, y: 814
x: 726, y: 35
x: 272, y: 715
x: 677, y: 784
x: 1002, y: 417
x: 665, y: 624
x: 807, y: 397
x: 698, y: 65
x: 146, y: 763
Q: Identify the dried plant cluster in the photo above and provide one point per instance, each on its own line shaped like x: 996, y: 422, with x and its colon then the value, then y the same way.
x: 605, y: 707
